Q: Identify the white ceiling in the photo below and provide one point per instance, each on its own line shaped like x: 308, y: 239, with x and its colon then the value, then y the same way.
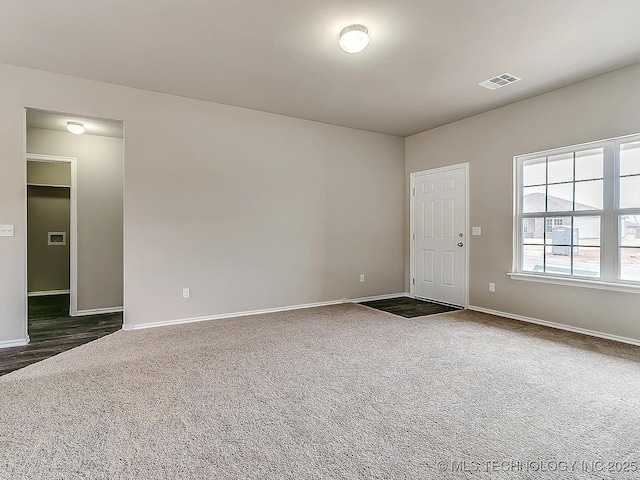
x: 420, y: 70
x: 58, y: 121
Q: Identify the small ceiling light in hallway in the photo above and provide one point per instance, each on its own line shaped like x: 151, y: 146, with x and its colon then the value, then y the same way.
x: 354, y: 38
x: 75, y: 127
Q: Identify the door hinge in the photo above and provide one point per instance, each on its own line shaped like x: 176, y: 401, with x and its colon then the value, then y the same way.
x: 414, y: 192
x: 414, y: 236
x: 414, y: 281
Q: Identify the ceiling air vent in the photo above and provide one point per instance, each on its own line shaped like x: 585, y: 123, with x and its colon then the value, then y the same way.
x: 499, y: 81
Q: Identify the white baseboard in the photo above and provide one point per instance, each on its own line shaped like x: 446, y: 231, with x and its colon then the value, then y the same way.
x: 231, y: 315
x: 260, y: 312
x: 378, y: 297
x: 48, y: 292
x: 98, y: 311
x: 560, y: 326
x: 14, y: 343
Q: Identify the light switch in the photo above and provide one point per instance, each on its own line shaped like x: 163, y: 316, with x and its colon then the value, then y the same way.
x: 476, y: 230
x: 6, y: 230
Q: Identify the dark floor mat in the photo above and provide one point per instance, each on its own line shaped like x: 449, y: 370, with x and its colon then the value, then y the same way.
x: 409, y: 307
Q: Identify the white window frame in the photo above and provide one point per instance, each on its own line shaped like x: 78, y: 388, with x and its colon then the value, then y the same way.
x: 609, y: 224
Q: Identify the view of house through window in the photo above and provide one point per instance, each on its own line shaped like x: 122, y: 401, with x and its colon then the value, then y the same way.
x: 570, y: 200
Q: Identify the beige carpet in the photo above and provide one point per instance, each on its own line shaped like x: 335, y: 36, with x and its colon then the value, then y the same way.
x: 332, y: 392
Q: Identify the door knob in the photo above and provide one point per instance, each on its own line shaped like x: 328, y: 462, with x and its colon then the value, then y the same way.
x: 460, y: 244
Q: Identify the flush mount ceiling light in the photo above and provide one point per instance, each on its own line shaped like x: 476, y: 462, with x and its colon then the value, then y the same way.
x: 354, y: 38
x: 75, y: 127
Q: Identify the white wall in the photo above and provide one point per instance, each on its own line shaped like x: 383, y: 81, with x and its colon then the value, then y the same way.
x: 248, y: 209
x: 598, y: 108
x: 99, y: 165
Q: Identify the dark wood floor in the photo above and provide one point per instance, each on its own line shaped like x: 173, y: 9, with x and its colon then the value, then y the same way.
x: 52, y: 330
x: 409, y: 307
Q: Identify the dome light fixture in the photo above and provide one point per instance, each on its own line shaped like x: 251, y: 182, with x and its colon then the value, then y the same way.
x: 354, y: 38
x: 75, y: 127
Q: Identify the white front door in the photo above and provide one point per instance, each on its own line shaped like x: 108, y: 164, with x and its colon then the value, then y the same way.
x: 439, y: 235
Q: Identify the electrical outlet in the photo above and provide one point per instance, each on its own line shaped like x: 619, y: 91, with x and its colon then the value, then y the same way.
x: 492, y: 287
x: 186, y: 293
x: 362, y: 278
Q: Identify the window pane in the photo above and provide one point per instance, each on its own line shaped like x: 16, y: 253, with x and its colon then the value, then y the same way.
x: 586, y: 231
x: 630, y: 192
x: 532, y: 258
x: 533, y: 199
x: 630, y: 264
x: 558, y: 230
x: 630, y: 230
x: 534, y: 172
x: 586, y: 262
x: 589, y: 164
x: 589, y: 195
x: 558, y: 263
x: 560, y: 197
x: 561, y: 168
x: 532, y: 230
x: 630, y: 158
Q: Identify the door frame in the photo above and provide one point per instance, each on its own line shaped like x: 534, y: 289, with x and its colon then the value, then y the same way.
x: 73, y: 230
x: 412, y: 232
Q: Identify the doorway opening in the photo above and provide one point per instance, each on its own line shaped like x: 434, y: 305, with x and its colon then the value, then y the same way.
x: 52, y: 232
x: 74, y: 171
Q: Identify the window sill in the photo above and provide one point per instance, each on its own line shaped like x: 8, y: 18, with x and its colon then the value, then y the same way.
x: 576, y: 282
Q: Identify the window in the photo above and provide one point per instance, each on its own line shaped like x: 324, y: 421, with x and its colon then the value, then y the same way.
x: 578, y: 214
x: 550, y: 223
